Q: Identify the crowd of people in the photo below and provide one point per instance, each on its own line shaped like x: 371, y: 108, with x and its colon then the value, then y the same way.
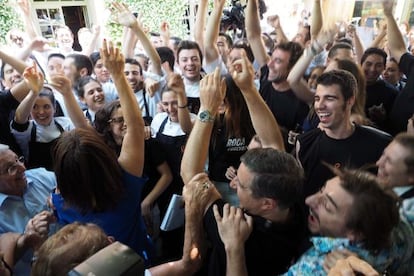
x: 293, y: 157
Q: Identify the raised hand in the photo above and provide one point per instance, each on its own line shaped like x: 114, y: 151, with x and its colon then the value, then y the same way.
x: 274, y: 21
x: 387, y: 6
x: 243, y: 73
x: 123, y: 15
x: 112, y: 58
x: 212, y: 92
x: 62, y: 84
x: 176, y: 84
x: 24, y: 6
x: 33, y: 78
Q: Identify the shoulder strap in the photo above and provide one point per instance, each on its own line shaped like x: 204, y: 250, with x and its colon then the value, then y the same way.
x: 33, y: 133
x: 59, y: 127
x: 145, y: 103
x: 163, y: 125
x: 408, y: 194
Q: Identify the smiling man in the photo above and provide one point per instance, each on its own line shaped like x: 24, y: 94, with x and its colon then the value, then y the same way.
x: 23, y: 195
x: 337, y: 140
x: 380, y: 94
x: 189, y: 59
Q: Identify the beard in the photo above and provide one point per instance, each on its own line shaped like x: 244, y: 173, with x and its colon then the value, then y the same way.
x: 278, y: 78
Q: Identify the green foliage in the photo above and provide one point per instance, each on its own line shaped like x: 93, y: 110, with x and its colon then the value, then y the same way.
x: 8, y: 19
x: 153, y: 13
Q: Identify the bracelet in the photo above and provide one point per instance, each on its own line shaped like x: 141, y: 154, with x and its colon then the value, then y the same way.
x: 184, y: 106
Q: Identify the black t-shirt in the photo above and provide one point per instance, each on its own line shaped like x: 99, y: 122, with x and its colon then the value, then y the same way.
x: 363, y: 147
x: 225, y: 152
x: 378, y: 93
x: 403, y: 107
x: 288, y: 110
x: 7, y: 105
x: 270, y: 249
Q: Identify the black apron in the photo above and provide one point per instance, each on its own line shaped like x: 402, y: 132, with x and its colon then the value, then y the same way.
x: 40, y: 154
x: 174, y: 148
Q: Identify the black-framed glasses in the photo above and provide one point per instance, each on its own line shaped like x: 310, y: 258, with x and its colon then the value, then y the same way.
x: 116, y: 120
x: 12, y: 170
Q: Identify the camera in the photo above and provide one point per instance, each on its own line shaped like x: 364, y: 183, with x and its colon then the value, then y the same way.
x: 233, y: 16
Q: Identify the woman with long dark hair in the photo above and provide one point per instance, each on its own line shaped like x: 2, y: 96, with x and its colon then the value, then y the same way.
x: 96, y: 185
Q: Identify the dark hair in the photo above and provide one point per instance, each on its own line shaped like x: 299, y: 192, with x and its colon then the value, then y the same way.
x: 48, y: 93
x: 95, y: 56
x: 87, y: 171
x: 176, y: 40
x: 236, y: 121
x: 58, y: 55
x: 277, y: 175
x: 80, y: 89
x: 294, y: 48
x: 341, y: 45
x: 345, y: 80
x: 189, y: 45
x: 228, y: 38
x: 134, y: 62
x: 407, y: 141
x: 374, y: 212
x: 360, y: 96
x: 374, y: 51
x: 102, y: 116
x: 244, y: 44
x: 3, y: 64
x: 166, y: 55
x: 82, y: 61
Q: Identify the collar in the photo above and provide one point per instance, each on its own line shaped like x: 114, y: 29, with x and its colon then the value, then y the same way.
x: 326, y: 245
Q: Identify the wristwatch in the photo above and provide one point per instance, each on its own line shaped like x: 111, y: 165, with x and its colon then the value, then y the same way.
x: 205, y: 116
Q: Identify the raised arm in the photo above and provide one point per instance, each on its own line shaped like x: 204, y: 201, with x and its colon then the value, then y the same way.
x: 356, y: 41
x: 263, y: 121
x: 131, y: 157
x: 211, y: 52
x: 200, y: 23
x: 64, y: 86
x: 395, y: 40
x: 254, y: 32
x: 93, y: 42
x: 198, y: 194
x: 295, y: 77
x: 378, y: 41
x: 28, y: 18
x: 317, y: 19
x: 34, y: 80
x: 212, y: 92
x: 176, y: 84
x: 17, y: 64
x: 274, y: 21
x: 127, y: 19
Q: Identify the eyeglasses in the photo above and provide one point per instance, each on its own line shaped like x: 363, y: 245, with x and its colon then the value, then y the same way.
x: 116, y: 120
x: 12, y: 170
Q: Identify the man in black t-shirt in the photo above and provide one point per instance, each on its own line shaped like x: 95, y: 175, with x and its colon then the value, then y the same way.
x: 380, y: 95
x: 289, y: 110
x: 268, y: 181
x: 337, y: 140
